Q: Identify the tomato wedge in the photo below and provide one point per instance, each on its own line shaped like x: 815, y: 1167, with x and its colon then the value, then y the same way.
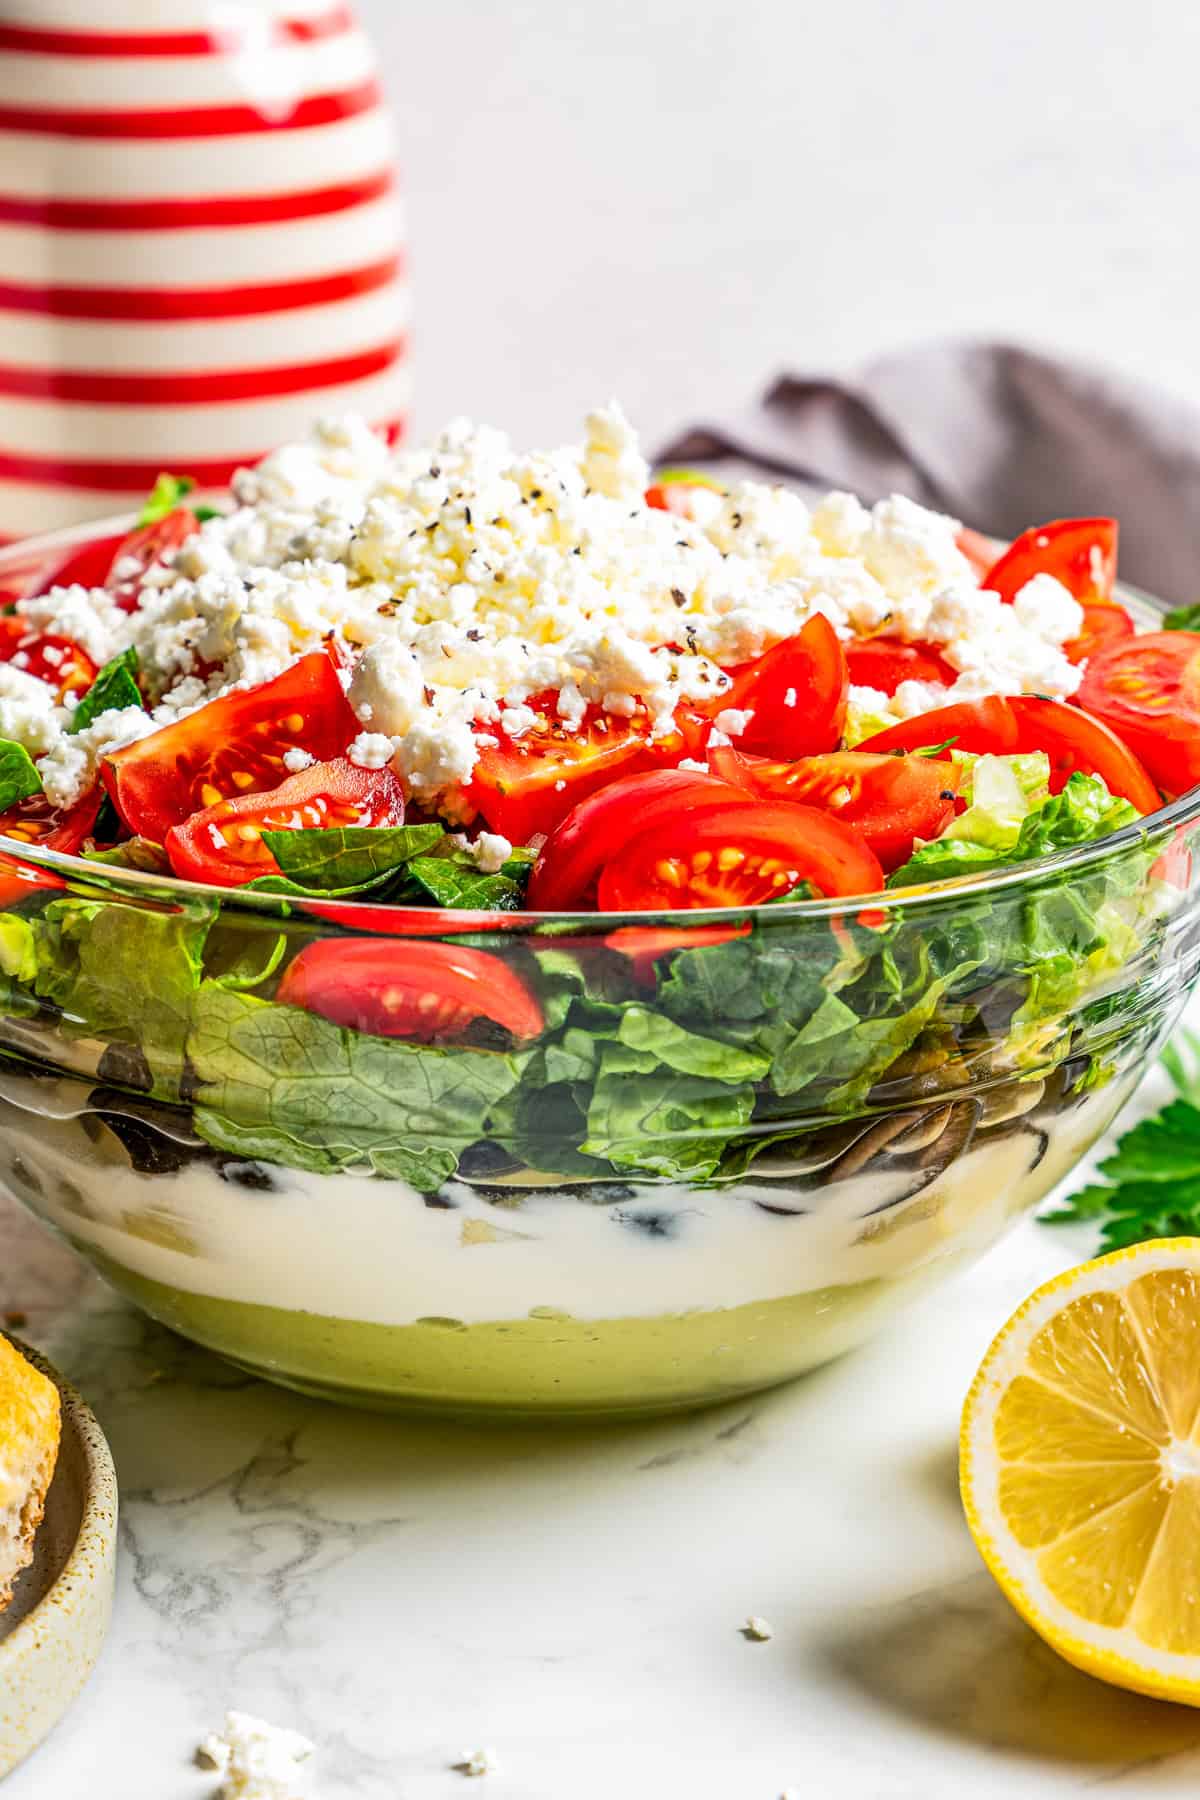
x: 796, y: 693
x: 672, y: 490
x: 58, y: 661
x: 985, y: 727
x: 35, y: 821
x: 1081, y: 553
x: 1073, y: 741
x: 737, y: 856
x: 426, y: 991
x: 884, y: 662
x: 1147, y: 690
x: 891, y: 800
x: 646, y: 945
x: 564, y: 875
x: 141, y: 549
x: 223, y: 843
x: 1103, y: 620
x: 234, y: 745
x: 524, y: 786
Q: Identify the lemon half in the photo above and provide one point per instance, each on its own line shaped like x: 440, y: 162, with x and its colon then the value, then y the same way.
x: 1080, y: 1466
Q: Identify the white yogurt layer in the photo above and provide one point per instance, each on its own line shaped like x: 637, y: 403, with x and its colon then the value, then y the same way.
x: 372, y: 1250
x: 465, y: 579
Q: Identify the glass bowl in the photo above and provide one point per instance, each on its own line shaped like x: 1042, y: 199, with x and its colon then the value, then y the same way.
x: 742, y: 1141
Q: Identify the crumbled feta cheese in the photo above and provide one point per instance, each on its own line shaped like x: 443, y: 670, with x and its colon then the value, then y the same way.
x: 685, y: 762
x: 256, y: 1761
x: 70, y: 766
x: 757, y: 1629
x: 840, y: 522
x: 612, y: 463
x: 28, y: 714
x: 90, y: 617
x: 491, y: 852
x: 478, y: 1762
x: 370, y: 750
x: 910, y: 548
x: 464, y: 582
x: 295, y: 760
x: 1048, y: 609
x: 732, y: 721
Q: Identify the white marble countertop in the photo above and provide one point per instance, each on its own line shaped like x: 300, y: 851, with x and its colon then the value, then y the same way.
x: 403, y: 1591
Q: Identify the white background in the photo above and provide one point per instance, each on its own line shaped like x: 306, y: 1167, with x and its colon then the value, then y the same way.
x: 672, y: 199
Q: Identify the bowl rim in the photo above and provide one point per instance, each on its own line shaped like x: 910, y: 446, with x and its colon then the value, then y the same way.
x: 134, y: 883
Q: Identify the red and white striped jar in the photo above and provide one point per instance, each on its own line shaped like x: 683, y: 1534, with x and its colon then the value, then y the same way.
x: 200, y: 243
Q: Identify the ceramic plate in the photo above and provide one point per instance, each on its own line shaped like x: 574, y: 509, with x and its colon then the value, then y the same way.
x: 50, y: 1637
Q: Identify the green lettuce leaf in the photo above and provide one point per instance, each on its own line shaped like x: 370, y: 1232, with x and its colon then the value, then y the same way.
x: 282, y: 1084
x: 646, y: 1117
x: 1082, y: 812
x: 127, y: 974
x: 1001, y: 793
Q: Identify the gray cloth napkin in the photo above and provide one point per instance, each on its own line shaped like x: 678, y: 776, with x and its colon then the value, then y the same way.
x: 999, y: 436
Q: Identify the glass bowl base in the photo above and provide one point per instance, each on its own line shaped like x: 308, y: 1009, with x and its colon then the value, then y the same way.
x: 557, y: 1367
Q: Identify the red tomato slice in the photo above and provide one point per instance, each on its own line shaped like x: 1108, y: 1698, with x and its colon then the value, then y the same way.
x: 526, y: 785
x: 646, y: 945
x: 737, y: 856
x: 36, y: 566
x: 1147, y: 690
x: 35, y: 821
x: 234, y: 745
x: 891, y: 800
x: 223, y: 843
x: 673, y: 489
x: 979, y: 550
x: 883, y: 663
x: 796, y: 692
x: 564, y: 875
x: 58, y: 661
x: 1103, y: 620
x: 425, y: 991
x: 985, y: 727
x: 1074, y: 742
x: 1081, y: 553
x: 142, y: 548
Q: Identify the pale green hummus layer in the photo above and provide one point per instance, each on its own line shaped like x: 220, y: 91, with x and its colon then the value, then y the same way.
x: 547, y: 1363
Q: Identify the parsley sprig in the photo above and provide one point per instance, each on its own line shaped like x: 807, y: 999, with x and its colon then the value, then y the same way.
x: 1151, y: 1186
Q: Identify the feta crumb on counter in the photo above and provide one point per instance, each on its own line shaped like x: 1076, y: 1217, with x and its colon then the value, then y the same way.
x: 257, y: 1761
x: 757, y: 1630
x: 478, y: 1762
x: 464, y: 582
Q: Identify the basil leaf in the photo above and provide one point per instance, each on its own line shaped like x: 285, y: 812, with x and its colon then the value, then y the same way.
x: 1183, y: 618
x: 349, y: 856
x: 113, y: 689
x: 19, y: 780
x: 458, y: 883
x: 164, y: 497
